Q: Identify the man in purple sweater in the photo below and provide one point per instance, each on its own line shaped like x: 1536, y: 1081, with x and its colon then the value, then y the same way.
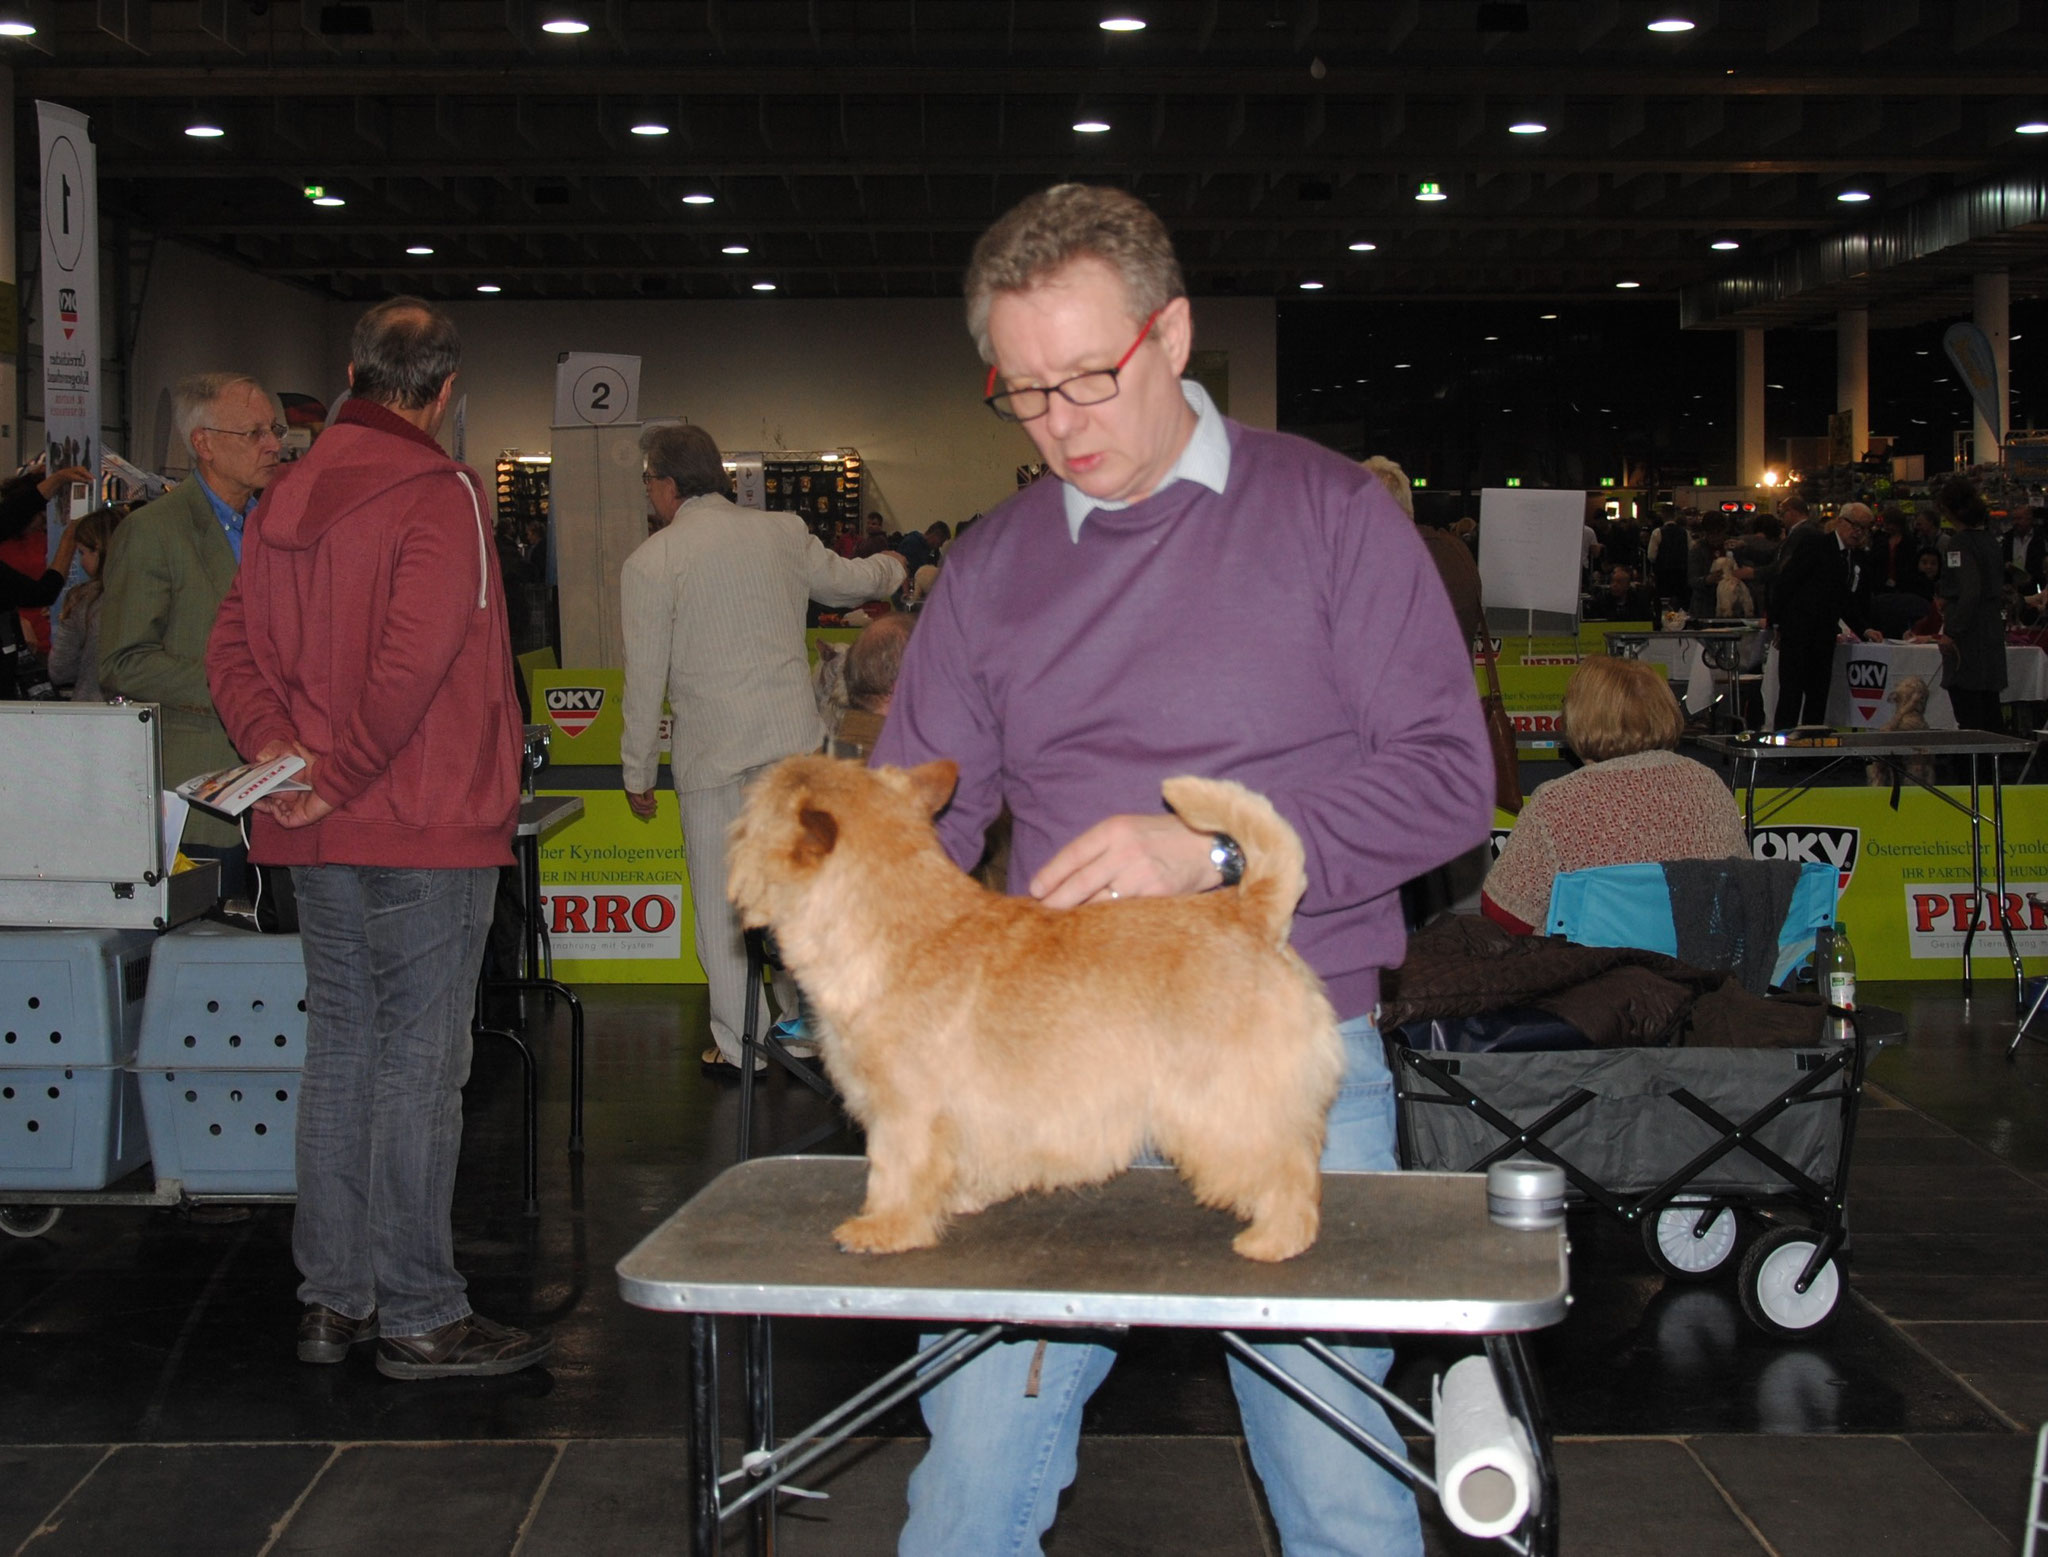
x: 1189, y: 596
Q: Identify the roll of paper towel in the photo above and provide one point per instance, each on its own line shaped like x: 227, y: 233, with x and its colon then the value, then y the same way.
x: 1485, y: 1471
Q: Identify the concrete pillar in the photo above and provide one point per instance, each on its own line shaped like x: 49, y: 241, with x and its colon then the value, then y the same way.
x: 1993, y: 303
x: 10, y: 362
x: 1750, y: 455
x: 1852, y: 375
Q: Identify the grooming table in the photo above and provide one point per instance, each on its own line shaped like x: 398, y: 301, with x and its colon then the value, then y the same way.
x: 1402, y: 1253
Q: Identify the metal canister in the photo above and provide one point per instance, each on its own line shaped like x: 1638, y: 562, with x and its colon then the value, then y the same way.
x: 1524, y: 1193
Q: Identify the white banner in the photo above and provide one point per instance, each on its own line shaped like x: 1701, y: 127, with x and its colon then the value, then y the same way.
x: 71, y: 291
x: 605, y: 921
x: 1940, y: 913
x: 1529, y: 548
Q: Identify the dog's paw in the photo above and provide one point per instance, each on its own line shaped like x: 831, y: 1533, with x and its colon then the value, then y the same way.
x: 883, y: 1233
x: 1276, y: 1238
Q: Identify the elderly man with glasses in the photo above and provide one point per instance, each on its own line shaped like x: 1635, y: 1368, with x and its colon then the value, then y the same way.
x: 1821, y: 590
x: 167, y: 570
x: 1189, y: 595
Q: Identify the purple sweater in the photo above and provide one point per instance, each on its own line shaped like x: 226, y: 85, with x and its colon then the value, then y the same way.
x: 1291, y: 634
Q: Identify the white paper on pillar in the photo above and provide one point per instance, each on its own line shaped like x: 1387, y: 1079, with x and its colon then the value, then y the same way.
x: 1485, y: 1472
x: 71, y: 291
x: 1529, y: 548
x: 596, y: 389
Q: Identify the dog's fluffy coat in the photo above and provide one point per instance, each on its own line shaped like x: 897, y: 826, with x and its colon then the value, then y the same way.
x: 990, y: 1045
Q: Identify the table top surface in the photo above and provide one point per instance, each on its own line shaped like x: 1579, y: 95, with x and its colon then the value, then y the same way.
x: 1402, y: 1252
x: 542, y: 812
x: 1872, y: 743
x: 1679, y: 634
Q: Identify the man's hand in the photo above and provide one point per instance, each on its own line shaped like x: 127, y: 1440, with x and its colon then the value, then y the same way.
x: 296, y: 808
x: 1128, y: 856
x: 49, y: 484
x: 642, y: 802
x: 1872, y: 635
x: 277, y: 806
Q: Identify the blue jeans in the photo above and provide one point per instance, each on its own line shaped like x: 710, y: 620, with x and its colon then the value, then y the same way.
x: 999, y: 1459
x: 392, y: 958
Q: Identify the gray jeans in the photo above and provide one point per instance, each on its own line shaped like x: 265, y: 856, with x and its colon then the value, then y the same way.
x: 707, y: 816
x: 392, y: 957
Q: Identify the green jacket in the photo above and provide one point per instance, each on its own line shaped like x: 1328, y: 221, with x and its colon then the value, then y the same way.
x: 167, y: 570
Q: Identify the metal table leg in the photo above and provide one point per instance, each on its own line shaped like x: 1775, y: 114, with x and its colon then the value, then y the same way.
x: 704, y: 1447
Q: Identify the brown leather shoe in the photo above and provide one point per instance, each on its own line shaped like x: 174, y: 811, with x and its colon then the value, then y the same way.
x: 470, y: 1347
x: 326, y: 1336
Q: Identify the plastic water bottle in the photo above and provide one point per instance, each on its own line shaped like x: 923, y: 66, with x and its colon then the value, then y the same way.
x: 1839, y: 970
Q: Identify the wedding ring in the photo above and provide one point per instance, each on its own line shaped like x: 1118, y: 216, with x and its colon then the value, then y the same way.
x: 1114, y: 893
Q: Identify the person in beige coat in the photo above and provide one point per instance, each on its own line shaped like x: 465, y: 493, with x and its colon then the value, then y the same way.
x: 167, y: 570
x: 712, y: 612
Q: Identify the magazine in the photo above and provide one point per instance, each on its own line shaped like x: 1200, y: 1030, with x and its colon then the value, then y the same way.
x: 231, y: 791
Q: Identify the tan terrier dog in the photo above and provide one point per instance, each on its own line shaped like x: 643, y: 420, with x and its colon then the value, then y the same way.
x: 1909, y: 715
x: 990, y: 1045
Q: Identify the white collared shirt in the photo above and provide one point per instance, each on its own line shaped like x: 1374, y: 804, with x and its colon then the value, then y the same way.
x: 1205, y: 460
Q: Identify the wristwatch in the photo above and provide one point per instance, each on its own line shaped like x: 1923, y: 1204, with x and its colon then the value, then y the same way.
x: 1227, y: 857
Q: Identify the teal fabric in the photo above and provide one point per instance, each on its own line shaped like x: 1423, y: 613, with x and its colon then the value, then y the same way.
x: 1629, y: 905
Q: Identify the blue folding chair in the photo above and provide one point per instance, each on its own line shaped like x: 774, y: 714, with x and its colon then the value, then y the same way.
x: 1630, y: 905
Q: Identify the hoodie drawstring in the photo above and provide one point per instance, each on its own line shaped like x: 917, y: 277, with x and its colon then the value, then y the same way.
x: 483, y: 556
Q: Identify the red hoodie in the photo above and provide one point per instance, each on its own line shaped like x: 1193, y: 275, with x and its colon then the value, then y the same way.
x: 368, y: 624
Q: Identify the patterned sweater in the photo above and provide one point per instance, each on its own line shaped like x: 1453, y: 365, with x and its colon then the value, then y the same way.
x: 1652, y: 806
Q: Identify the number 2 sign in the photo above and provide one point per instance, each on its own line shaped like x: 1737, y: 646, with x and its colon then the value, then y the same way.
x: 596, y: 389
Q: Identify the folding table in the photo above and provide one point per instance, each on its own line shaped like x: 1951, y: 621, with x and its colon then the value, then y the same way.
x: 1400, y: 1253
x: 1896, y: 749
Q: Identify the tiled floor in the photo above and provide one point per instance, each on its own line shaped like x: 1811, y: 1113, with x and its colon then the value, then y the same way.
x: 152, y: 1406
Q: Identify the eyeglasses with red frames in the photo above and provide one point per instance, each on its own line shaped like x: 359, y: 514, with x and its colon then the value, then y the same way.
x: 1091, y: 388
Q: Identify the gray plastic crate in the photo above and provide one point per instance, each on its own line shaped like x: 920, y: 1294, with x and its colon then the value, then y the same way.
x: 69, y: 1127
x: 223, y: 1132
x: 71, y: 997
x: 224, y: 999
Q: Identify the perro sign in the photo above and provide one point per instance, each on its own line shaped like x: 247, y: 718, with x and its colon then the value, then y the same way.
x: 587, y: 922
x: 1938, y: 915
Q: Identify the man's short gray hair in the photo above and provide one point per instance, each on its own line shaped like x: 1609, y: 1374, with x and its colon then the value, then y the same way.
x: 403, y: 350
x: 1049, y: 230
x: 687, y: 455
x: 193, y: 401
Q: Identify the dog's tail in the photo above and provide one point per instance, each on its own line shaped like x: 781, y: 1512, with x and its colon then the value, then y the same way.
x: 1274, y: 877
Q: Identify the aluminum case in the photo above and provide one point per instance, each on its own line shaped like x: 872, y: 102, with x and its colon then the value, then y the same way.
x: 81, y: 791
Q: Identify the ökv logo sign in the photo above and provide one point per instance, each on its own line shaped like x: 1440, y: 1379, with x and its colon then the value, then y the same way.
x: 1834, y: 846
x: 574, y: 709
x: 1867, y: 680
x: 67, y: 309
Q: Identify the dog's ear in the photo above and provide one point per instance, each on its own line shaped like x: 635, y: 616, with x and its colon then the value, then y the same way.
x: 932, y: 783
x: 819, y: 835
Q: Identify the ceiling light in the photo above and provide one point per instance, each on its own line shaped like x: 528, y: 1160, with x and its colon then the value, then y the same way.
x: 1091, y: 126
x: 1724, y: 244
x: 1491, y: 337
x: 1363, y: 246
x: 17, y: 27
x: 204, y: 130
x: 650, y: 127
x: 1400, y: 364
x: 735, y: 248
x: 1853, y: 196
x: 1671, y: 24
x: 1311, y: 286
x: 1546, y: 316
x: 698, y: 197
x: 1122, y: 24
x: 419, y: 248
x: 764, y: 286
x: 1430, y: 193
x: 1527, y: 127
x: 330, y: 201
x: 565, y: 26
x: 2031, y: 127
x: 1628, y: 286
x: 489, y: 286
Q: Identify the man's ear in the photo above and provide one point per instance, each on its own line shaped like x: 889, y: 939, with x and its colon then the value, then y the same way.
x: 933, y: 783
x: 819, y: 836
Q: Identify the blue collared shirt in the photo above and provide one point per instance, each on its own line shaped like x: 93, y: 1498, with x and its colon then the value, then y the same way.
x: 230, y: 521
x: 1205, y: 460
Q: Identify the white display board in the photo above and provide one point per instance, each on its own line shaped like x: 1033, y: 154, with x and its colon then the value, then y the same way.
x: 1529, y: 548
x: 596, y: 389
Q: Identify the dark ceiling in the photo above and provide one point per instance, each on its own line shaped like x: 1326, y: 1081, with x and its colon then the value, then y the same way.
x: 857, y: 148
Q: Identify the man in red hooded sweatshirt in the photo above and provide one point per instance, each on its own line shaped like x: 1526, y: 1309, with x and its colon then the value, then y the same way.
x: 366, y: 633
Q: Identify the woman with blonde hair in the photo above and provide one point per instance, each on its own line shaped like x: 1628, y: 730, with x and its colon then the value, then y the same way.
x: 75, y: 634
x: 1635, y: 801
